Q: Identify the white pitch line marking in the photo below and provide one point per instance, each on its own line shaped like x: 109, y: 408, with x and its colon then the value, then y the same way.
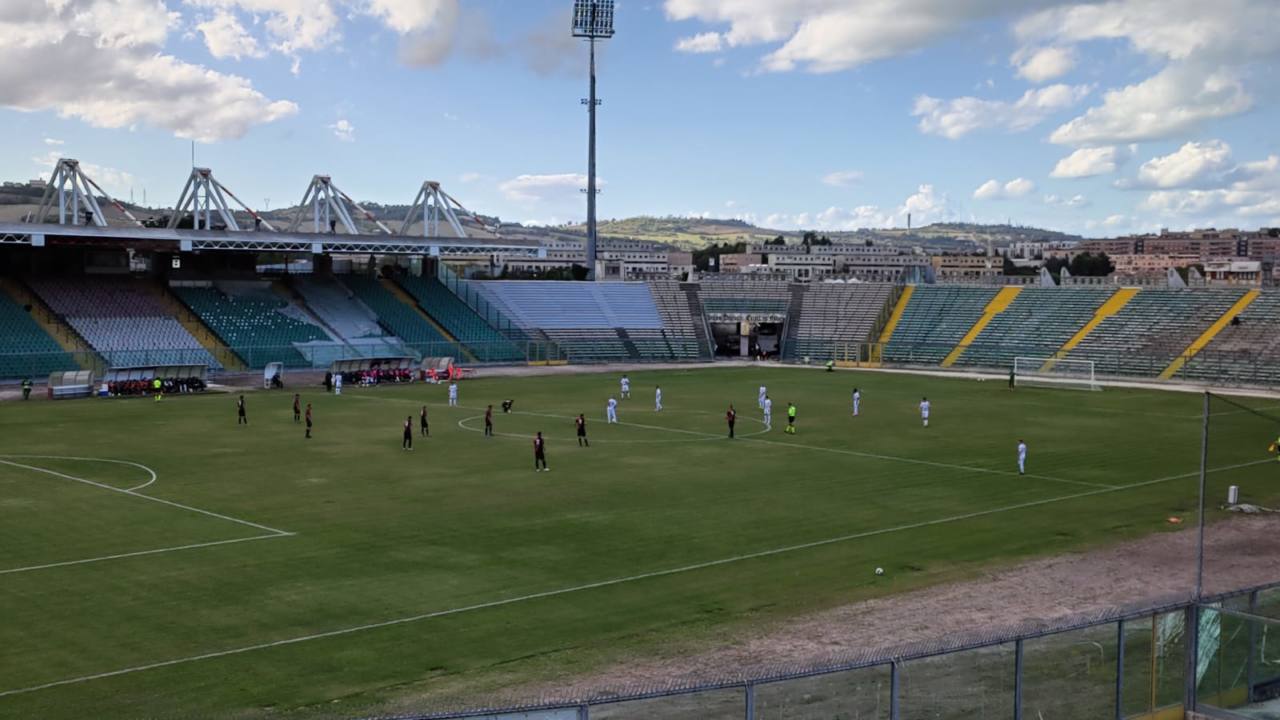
x: 138, y: 553
x: 932, y: 463
x: 608, y: 583
x: 131, y: 493
x: 150, y: 472
x: 752, y: 437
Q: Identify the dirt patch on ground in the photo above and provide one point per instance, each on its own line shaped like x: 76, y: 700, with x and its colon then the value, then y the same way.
x: 1242, y: 552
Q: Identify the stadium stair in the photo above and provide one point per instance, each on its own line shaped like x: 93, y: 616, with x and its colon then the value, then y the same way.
x: 403, y: 296
x: 1210, y: 333
x: 896, y: 316
x: 998, y: 304
x: 628, y: 343
x: 201, y: 332
x: 62, y: 333
x: 1112, y: 306
x: 699, y: 320
x: 791, y: 332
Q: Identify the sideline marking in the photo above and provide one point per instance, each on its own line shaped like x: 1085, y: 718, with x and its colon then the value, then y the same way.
x: 609, y: 583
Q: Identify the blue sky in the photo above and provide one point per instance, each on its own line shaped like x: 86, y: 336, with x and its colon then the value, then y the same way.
x: 1092, y: 117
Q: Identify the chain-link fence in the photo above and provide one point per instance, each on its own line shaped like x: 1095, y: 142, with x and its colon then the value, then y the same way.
x: 1124, y: 663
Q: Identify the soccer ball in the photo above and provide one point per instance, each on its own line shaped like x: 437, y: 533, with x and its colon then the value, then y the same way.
x: 879, y: 571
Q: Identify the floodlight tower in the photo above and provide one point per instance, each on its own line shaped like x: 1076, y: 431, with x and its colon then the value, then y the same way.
x: 593, y: 20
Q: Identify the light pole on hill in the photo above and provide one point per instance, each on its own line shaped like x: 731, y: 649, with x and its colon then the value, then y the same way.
x: 593, y: 20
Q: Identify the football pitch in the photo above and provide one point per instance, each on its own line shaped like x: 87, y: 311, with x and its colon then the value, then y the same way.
x: 160, y: 560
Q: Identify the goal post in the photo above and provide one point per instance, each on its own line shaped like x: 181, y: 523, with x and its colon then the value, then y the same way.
x: 1054, y: 373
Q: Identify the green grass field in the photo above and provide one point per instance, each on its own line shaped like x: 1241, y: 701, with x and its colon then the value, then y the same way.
x: 261, y: 572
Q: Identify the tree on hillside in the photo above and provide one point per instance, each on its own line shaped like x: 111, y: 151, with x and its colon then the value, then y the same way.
x: 776, y: 241
x: 1090, y: 265
x: 702, y: 257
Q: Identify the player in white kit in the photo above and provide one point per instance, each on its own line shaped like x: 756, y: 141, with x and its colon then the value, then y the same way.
x: 657, y: 398
x: 857, y: 401
x: 337, y: 383
x: 768, y: 413
x: 626, y: 388
x: 611, y: 411
x: 924, y: 411
x: 453, y: 394
x: 764, y: 393
x: 1022, y: 457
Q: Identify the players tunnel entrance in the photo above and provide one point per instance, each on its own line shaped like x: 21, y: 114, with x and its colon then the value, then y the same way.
x: 746, y: 338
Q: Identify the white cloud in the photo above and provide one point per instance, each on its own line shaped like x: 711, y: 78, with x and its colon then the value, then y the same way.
x: 1190, y: 163
x: 469, y: 177
x: 842, y: 178
x: 1041, y: 64
x: 1244, y: 192
x: 1075, y: 201
x: 831, y: 35
x: 1227, y: 30
x: 988, y: 190
x: 101, y: 61
x: 995, y: 190
x: 1019, y: 187
x: 344, y: 130
x: 707, y: 42
x: 1086, y: 162
x: 1175, y: 101
x: 227, y: 38
x: 531, y: 188
x: 925, y: 206
x: 1205, y: 51
x: 53, y: 142
x: 294, y: 26
x: 958, y: 117
x: 406, y: 16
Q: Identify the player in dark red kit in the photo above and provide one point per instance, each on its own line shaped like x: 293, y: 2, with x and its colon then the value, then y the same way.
x: 581, y: 422
x: 241, y: 418
x: 731, y: 417
x: 422, y: 422
x: 297, y: 408
x: 308, y: 421
x: 488, y: 421
x: 407, y: 442
x: 540, y: 454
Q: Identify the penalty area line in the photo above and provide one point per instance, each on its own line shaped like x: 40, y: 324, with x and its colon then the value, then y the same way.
x: 139, y: 553
x: 132, y: 493
x: 605, y: 583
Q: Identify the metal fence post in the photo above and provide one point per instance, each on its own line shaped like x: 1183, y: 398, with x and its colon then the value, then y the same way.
x: 1017, y: 679
x: 1204, y: 459
x: 584, y: 712
x: 1193, y: 657
x: 1120, y: 669
x: 751, y: 701
x: 893, y: 690
x: 1251, y: 664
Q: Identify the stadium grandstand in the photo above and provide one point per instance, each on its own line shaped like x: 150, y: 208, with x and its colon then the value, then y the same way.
x: 230, y: 321
x: 134, y: 311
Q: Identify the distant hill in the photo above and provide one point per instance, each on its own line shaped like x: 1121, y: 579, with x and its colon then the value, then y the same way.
x: 682, y: 232
x: 695, y: 233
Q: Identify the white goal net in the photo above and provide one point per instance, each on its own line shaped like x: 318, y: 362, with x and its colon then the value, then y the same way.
x: 1054, y: 372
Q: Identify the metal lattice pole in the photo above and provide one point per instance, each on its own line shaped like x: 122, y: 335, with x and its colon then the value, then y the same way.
x: 1204, y: 459
x: 591, y: 168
